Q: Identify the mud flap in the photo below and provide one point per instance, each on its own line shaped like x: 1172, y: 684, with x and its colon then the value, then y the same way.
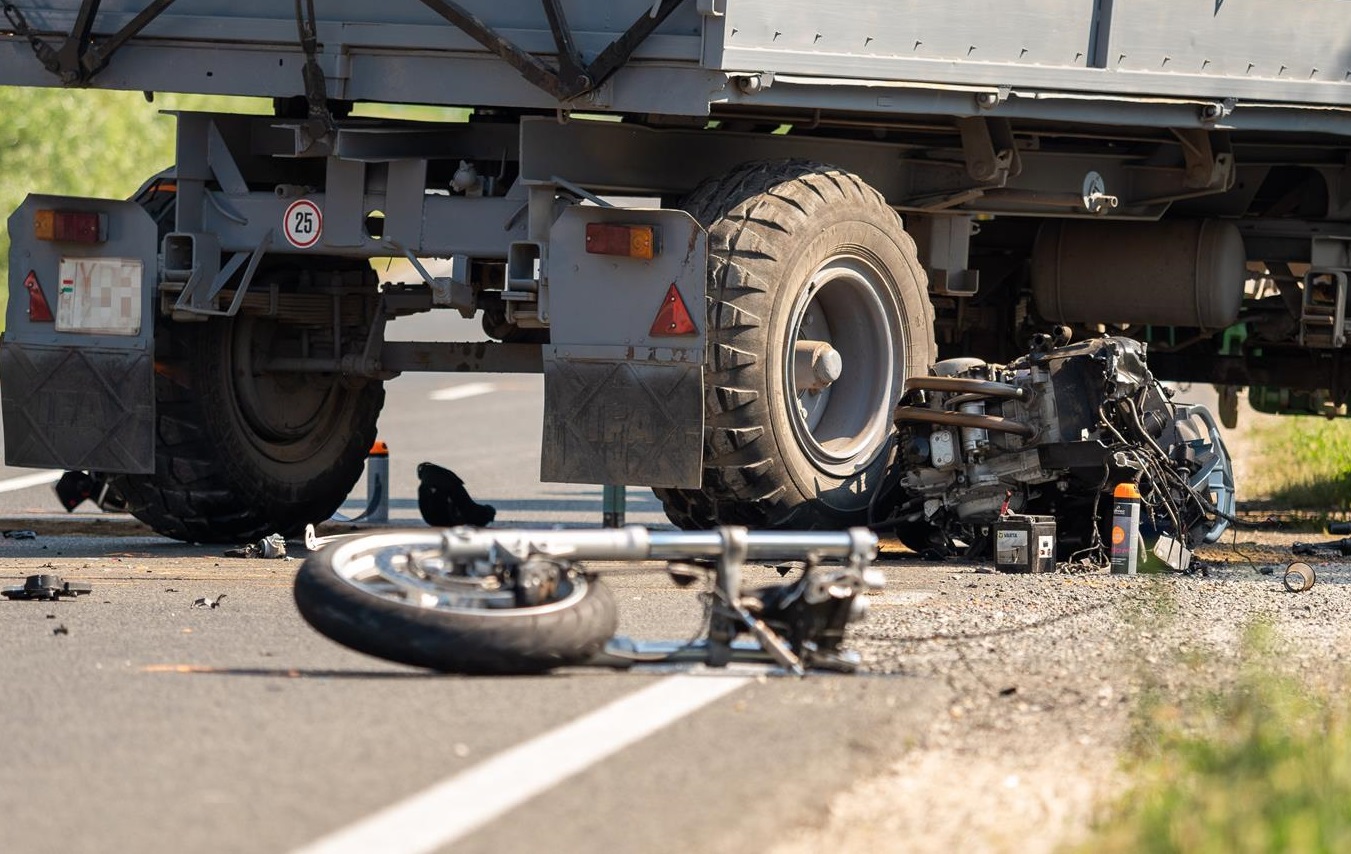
x: 77, y: 371
x: 623, y: 374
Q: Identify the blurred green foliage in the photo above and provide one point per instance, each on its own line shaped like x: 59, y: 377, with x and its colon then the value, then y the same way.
x: 1305, y: 463
x: 105, y: 144
x: 84, y: 142
x: 1260, y: 766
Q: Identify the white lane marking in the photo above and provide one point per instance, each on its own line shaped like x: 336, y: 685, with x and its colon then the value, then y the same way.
x: 460, y: 392
x: 461, y: 804
x: 14, y: 484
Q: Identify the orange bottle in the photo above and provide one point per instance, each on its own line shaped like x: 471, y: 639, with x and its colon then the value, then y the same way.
x: 1125, y: 529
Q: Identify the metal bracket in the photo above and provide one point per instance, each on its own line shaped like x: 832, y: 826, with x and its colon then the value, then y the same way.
x: 318, y: 133
x: 571, y: 79
x: 192, y: 301
x: 722, y: 629
x: 991, y: 155
x: 80, y: 59
x: 1323, y: 309
x: 1206, y: 167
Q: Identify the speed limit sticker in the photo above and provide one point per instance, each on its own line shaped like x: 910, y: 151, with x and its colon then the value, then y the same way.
x: 303, y: 223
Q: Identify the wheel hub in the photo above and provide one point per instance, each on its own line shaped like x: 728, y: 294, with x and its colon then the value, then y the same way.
x: 839, y: 365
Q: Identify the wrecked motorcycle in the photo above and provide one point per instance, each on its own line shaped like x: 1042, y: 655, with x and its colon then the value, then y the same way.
x: 1051, y: 433
x: 482, y: 601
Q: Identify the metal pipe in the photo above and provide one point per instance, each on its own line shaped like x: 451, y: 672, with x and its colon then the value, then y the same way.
x: 631, y: 542
x: 963, y: 419
x: 966, y: 385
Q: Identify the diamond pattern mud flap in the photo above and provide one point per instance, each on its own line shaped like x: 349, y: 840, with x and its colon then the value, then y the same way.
x: 622, y: 422
x: 623, y: 375
x: 78, y: 408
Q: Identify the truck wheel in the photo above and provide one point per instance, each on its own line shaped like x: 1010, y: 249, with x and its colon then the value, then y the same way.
x: 242, y: 453
x: 817, y: 311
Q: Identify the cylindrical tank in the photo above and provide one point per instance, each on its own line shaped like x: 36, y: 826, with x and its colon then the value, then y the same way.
x: 1170, y: 273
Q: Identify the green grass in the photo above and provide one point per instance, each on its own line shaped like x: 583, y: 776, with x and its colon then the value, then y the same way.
x: 1305, y: 463
x: 1263, y: 766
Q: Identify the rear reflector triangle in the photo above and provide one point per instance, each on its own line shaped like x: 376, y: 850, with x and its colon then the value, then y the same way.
x: 673, y: 318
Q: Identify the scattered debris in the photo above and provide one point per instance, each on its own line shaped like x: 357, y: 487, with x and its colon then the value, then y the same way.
x: 21, y: 534
x: 47, y: 587
x: 1173, y: 553
x: 1342, y: 546
x: 60, y: 630
x: 207, y: 601
x: 1299, y: 576
x: 444, y: 502
x: 271, y: 547
x: 76, y: 487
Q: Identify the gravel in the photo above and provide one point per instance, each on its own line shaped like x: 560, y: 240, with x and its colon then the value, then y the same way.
x: 1044, y: 673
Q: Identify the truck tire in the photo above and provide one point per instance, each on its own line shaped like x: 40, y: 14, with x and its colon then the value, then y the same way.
x: 365, y: 615
x: 801, y: 252
x: 240, y: 453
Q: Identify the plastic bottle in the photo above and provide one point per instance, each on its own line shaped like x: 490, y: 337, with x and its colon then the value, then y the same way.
x: 1125, y: 529
x: 377, y: 484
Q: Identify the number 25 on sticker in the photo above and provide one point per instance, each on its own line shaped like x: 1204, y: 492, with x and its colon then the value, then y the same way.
x: 303, y: 223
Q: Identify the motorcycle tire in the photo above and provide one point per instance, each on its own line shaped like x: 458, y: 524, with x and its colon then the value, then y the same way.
x: 339, y: 593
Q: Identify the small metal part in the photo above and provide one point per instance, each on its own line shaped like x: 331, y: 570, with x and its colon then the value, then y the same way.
x: 1299, y: 576
x: 1173, y: 553
x: 271, y: 547
x: 1095, y: 196
x: 47, y: 587
x: 815, y: 366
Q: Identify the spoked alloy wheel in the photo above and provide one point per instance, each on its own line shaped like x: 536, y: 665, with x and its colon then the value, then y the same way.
x: 394, y: 596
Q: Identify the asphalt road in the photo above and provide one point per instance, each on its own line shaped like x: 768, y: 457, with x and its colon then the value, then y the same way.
x: 135, y: 722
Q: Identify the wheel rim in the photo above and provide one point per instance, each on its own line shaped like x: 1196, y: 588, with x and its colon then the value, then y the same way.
x: 411, y: 570
x: 847, y: 305
x: 286, y: 416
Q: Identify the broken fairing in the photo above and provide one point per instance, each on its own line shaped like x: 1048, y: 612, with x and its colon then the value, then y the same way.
x: 1052, y: 433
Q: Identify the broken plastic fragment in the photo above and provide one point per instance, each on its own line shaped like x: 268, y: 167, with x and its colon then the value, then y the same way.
x: 48, y: 587
x: 271, y: 547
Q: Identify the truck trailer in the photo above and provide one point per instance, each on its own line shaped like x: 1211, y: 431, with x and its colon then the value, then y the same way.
x: 725, y: 231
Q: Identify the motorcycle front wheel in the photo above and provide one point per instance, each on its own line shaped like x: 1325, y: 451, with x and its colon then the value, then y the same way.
x: 391, y: 596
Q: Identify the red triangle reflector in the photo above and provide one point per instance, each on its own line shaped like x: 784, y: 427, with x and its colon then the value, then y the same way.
x: 673, y: 318
x: 38, y: 310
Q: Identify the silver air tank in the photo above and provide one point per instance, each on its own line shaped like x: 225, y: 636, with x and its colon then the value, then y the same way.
x: 1169, y: 273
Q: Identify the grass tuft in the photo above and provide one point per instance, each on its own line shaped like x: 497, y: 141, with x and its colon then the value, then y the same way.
x: 1264, y: 766
x: 1305, y: 463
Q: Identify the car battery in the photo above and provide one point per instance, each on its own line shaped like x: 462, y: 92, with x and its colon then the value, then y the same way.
x: 1024, y: 543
